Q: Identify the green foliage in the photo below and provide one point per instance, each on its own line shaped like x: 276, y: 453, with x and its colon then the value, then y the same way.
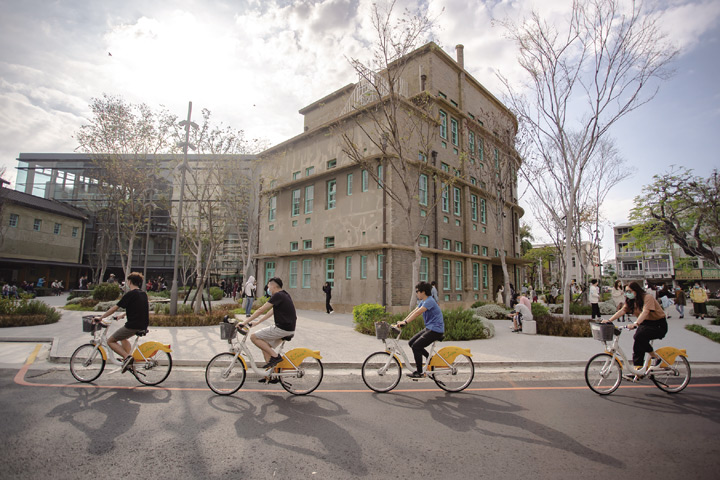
x: 365, y: 315
x: 492, y: 311
x: 106, y: 292
x: 550, y: 325
x: 715, y: 321
x: 216, y: 293
x: 478, y: 304
x: 714, y: 336
x: 714, y: 303
x: 77, y: 294
x: 188, y: 319
x: 17, y: 313
x: 538, y: 309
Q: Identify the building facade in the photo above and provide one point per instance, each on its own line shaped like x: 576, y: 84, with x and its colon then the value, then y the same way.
x: 589, y: 256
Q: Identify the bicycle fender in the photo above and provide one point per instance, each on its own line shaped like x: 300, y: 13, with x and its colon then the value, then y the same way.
x: 669, y: 354
x: 449, y: 354
x: 296, y: 355
x: 149, y: 349
x: 102, y: 352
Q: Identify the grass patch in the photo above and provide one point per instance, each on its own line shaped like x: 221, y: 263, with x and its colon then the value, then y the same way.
x: 715, y: 321
x: 557, y: 327
x: 714, y: 336
x: 77, y: 307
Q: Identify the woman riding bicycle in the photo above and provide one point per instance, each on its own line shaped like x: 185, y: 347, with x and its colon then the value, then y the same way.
x: 434, y: 326
x: 651, y: 323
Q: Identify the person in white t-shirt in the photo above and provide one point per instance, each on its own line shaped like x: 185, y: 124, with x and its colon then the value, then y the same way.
x: 522, y: 312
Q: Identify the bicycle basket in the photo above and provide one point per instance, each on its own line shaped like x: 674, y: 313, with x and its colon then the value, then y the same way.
x: 602, y: 331
x: 227, y: 331
x: 88, y: 325
x: 382, y: 330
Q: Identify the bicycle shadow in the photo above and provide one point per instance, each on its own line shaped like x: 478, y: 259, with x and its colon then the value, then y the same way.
x: 103, y: 414
x: 302, y: 425
x: 689, y: 402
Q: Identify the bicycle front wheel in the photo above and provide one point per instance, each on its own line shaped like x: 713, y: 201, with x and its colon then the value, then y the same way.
x: 86, y: 363
x: 457, y: 377
x: 674, y: 379
x: 305, y: 379
x: 603, y: 374
x: 225, y: 374
x: 153, y: 370
x: 381, y: 372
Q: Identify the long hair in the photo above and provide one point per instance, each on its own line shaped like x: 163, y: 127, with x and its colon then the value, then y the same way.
x: 639, y: 300
x: 618, y: 284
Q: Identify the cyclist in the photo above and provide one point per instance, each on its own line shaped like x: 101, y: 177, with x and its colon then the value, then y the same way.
x: 137, y: 310
x: 434, y: 326
x: 282, y: 308
x: 651, y: 323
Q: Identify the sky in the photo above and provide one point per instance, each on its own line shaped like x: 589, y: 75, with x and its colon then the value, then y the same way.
x: 255, y: 63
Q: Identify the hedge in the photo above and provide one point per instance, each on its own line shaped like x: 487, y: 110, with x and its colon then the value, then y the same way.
x: 14, y: 313
x: 106, y: 292
x: 557, y: 327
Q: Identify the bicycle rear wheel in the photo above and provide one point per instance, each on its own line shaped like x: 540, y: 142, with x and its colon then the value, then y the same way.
x: 305, y: 379
x: 603, y: 374
x: 675, y: 379
x: 225, y: 374
x: 86, y: 363
x: 381, y: 372
x: 154, y: 370
x: 456, y: 377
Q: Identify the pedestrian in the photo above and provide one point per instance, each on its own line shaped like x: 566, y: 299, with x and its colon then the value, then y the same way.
x: 664, y: 297
x: 699, y: 297
x: 111, y: 279
x: 680, y: 301
x: 327, y: 288
x: 434, y: 291
x: 249, y: 295
x: 554, y: 292
x: 618, y: 297
x: 594, y: 299
x: 499, y: 295
x: 235, y: 288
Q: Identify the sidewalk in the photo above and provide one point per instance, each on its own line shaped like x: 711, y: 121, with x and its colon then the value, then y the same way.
x: 343, y: 347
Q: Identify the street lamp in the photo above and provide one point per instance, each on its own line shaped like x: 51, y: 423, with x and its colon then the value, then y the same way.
x: 174, y: 291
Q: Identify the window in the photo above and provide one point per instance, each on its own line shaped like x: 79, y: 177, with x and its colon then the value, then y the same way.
x: 307, y: 244
x: 443, y: 125
x: 485, y: 251
x: 456, y: 201
x: 441, y: 94
x: 364, y: 181
x: 309, y: 198
x: 473, y: 180
x: 483, y: 211
x: 422, y: 157
x: 497, y: 158
x: 292, y: 281
x: 423, y: 269
x: 309, y: 171
x: 458, y: 247
x: 294, y: 246
x: 424, y: 241
x: 14, y: 220
x: 349, y: 183
x: 329, y: 242
x: 37, y: 224
x: 363, y: 266
x: 75, y: 231
x: 330, y: 271
x: 471, y: 143
x: 444, y: 167
x: 476, y: 249
x: 269, y: 271
x: 296, y: 175
x: 423, y: 189
x: 458, y: 275
x: 444, y: 200
x: 331, y: 184
x: 380, y: 176
x: 56, y: 230
x: 272, y: 206
x: 454, y: 131
x: 481, y: 149
x: 446, y: 274
x: 446, y: 244
x: 380, y: 265
x: 306, y: 273
x: 273, y: 184
x: 485, y: 275
x: 295, y: 210
x: 474, y: 207
x: 476, y: 276
x: 348, y: 267
x: 331, y: 163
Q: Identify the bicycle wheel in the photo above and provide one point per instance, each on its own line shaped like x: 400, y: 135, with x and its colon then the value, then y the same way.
x: 154, y: 370
x: 457, y: 377
x: 675, y: 379
x: 86, y: 363
x: 225, y: 374
x: 381, y: 372
x: 305, y: 379
x: 603, y: 374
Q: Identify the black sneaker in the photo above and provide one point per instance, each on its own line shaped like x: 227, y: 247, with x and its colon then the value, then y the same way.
x: 272, y: 362
x: 416, y: 375
x: 127, y: 363
x: 269, y: 380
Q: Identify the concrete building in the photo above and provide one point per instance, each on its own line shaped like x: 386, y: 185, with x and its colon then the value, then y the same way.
x: 325, y: 218
x: 588, y: 256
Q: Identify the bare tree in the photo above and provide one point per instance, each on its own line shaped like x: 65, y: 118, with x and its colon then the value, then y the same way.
x: 607, y: 59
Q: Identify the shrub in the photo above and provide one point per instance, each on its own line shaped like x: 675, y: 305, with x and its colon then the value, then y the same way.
x: 164, y: 309
x: 538, y: 310
x: 77, y: 294
x: 607, y: 308
x: 216, y: 293
x: 105, y: 306
x: 106, y: 292
x: 478, y: 304
x: 715, y: 321
x: 551, y: 325
x: 492, y: 311
x: 188, y: 319
x: 42, y: 291
x: 26, y: 312
x: 488, y: 326
x: 712, y: 311
x: 365, y: 315
x: 714, y: 303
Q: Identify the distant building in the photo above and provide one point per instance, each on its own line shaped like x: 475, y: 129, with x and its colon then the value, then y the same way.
x: 588, y: 256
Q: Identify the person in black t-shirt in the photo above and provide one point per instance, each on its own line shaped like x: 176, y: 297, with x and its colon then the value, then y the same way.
x: 282, y: 308
x: 137, y: 310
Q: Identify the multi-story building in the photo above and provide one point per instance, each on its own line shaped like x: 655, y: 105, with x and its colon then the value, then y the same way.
x: 589, y: 257
x: 325, y: 217
x: 654, y: 265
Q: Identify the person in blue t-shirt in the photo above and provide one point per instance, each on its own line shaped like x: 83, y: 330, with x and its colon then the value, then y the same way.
x: 434, y: 325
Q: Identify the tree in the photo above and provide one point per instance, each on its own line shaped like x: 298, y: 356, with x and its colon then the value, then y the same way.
x: 681, y: 208
x: 3, y: 227
x: 605, y: 61
x: 525, y: 237
x: 539, y: 258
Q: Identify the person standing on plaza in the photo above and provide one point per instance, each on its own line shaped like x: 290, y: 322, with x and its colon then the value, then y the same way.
x: 235, y: 288
x: 554, y: 292
x: 434, y: 291
x: 680, y: 301
x: 249, y: 294
x: 699, y: 297
x: 499, y: 295
x: 327, y: 288
x: 594, y: 298
x: 618, y: 297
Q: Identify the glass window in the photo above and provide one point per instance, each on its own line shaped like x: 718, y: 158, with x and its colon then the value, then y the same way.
x: 423, y: 189
x: 309, y: 171
x: 331, y: 163
x: 446, y: 274
x: 293, y: 274
x: 456, y: 201
x: 295, y: 210
x: 269, y: 271
x: 37, y: 224
x: 424, y: 240
x: 497, y: 158
x: 380, y: 176
x: 473, y: 180
x: 443, y: 125
x: 446, y: 244
x: 309, y: 198
x: 272, y: 207
x: 423, y: 269
x: 444, y: 167
x: 306, y: 273
x: 294, y: 246
x: 481, y: 149
x: 363, y: 266
x: 307, y: 244
x: 348, y: 267
x: 458, y: 247
x: 14, y: 220
x: 329, y: 242
x: 364, y: 182
x: 331, y: 184
x: 476, y: 249
x: 474, y: 207
x: 476, y: 276
x: 485, y: 275
x: 380, y: 265
x: 458, y: 275
x: 444, y: 198
x: 56, y: 230
x: 471, y: 143
x: 330, y: 271
x: 75, y: 231
x: 296, y: 175
x: 422, y: 157
x: 454, y: 131
x: 349, y: 183
x: 483, y: 211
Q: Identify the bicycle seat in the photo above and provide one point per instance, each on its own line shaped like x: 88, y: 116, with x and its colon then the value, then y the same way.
x: 141, y: 333
x: 288, y: 338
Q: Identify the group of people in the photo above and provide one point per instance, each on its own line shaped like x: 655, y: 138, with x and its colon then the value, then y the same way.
x: 667, y: 297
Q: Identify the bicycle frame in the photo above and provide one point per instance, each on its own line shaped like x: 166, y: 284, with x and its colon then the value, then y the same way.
x: 138, y: 351
x: 434, y: 358
x: 619, y: 355
x: 286, y: 367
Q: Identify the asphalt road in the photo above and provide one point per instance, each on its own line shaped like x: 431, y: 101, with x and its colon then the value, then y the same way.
x: 509, y: 427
